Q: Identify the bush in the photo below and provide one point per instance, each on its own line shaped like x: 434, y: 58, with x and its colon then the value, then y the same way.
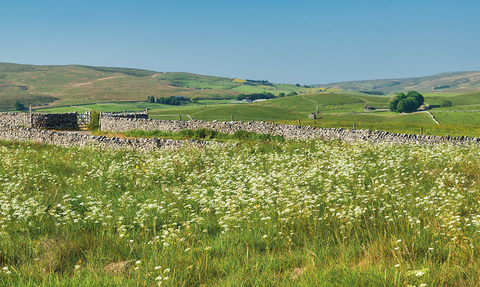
x: 446, y: 103
x: 291, y: 94
x: 168, y: 100
x: 19, y: 106
x: 94, y: 121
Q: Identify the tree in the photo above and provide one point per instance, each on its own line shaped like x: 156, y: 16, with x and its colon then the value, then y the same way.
x: 419, y: 99
x: 446, y: 103
x: 19, y: 106
x: 151, y: 99
x: 408, y: 103
x: 393, y: 103
x: 281, y: 95
x: 291, y: 94
x: 195, y: 99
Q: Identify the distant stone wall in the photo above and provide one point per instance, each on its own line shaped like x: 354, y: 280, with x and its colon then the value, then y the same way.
x: 140, y: 115
x: 115, y: 124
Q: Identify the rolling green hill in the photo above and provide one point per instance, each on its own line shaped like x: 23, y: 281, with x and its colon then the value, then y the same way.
x: 451, y: 82
x: 67, y: 85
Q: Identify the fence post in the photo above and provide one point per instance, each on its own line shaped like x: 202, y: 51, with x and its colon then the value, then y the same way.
x: 123, y: 112
x: 135, y: 115
x: 30, y: 118
x: 99, y: 121
x: 299, y: 122
x: 421, y: 130
x: 231, y: 117
x: 179, y: 117
x: 353, y: 125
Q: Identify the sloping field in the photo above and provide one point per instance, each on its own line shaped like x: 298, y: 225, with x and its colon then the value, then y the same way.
x: 452, y: 82
x: 66, y: 85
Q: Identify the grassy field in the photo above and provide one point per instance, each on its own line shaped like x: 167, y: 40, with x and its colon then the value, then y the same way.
x: 335, y: 110
x: 294, y: 213
x: 73, y: 85
x: 117, y: 89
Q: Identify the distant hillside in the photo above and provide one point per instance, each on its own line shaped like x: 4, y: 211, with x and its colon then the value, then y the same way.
x: 75, y: 84
x: 451, y: 82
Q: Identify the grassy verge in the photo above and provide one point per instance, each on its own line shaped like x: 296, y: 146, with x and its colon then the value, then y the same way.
x: 201, y: 134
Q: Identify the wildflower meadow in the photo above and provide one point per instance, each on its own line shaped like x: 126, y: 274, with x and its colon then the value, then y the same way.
x: 292, y: 213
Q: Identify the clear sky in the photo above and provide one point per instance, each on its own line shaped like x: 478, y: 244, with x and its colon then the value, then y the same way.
x: 283, y: 41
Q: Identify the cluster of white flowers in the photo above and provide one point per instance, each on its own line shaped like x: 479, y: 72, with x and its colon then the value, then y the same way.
x: 172, y: 197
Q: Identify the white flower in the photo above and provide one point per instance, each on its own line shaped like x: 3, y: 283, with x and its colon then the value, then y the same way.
x: 158, y: 267
x: 138, y: 262
x: 398, y: 265
x: 159, y: 278
x: 166, y: 270
x: 419, y: 273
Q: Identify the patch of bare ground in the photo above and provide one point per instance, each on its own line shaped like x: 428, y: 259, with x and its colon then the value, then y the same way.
x: 117, y: 268
x: 97, y: 80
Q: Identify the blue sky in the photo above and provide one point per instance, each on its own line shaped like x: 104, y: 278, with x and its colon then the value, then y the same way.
x: 283, y: 41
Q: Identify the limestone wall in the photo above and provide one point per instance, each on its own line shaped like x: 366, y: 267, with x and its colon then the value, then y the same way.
x: 73, y: 139
x: 116, y: 124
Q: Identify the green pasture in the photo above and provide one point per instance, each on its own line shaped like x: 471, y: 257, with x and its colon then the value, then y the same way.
x: 456, y: 99
x: 458, y: 118
x: 240, y: 112
x: 433, y: 95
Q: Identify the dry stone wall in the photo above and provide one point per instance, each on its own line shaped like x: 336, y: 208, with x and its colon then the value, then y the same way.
x: 41, y: 120
x: 115, y: 124
x: 13, y: 132
x: 16, y: 119
x: 73, y: 139
x: 55, y: 121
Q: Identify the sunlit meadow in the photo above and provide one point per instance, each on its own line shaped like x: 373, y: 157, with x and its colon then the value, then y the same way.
x: 294, y: 213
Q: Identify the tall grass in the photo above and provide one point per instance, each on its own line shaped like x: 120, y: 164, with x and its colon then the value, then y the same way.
x: 203, y: 134
x: 293, y: 213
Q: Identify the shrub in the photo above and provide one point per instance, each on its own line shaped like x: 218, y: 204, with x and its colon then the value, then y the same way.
x: 19, y: 106
x: 94, y: 121
x: 446, y: 103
